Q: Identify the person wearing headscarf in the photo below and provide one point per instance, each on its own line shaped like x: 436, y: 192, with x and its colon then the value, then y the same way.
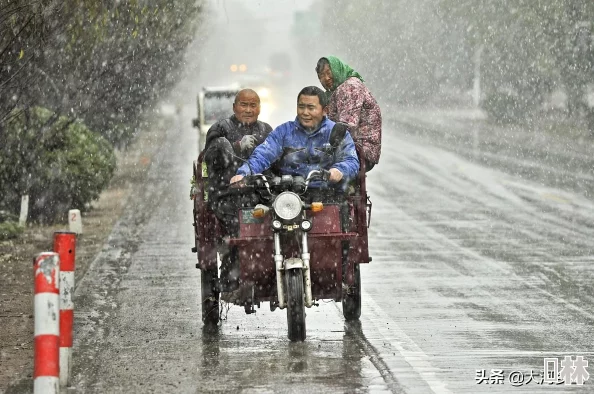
x: 351, y: 102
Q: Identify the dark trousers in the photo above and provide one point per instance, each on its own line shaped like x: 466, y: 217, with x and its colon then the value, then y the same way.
x: 221, y: 167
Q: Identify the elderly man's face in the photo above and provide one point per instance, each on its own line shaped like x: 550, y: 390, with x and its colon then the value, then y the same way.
x: 309, y: 111
x: 247, y: 107
x: 325, y: 77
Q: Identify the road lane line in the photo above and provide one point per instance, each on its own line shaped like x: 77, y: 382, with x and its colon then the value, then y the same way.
x: 440, y: 240
x: 455, y: 184
x: 391, y: 333
x: 397, y: 338
x: 364, y: 344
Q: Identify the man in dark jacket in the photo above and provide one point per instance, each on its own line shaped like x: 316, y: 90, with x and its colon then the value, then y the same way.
x: 228, y: 143
x: 230, y: 140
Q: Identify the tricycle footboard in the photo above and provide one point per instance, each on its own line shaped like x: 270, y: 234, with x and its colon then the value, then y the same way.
x: 257, y: 264
x: 326, y: 268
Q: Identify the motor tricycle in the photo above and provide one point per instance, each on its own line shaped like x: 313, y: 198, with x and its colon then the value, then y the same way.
x: 296, y: 246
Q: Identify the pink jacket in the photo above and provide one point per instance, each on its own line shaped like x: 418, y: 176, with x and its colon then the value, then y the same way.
x: 353, y: 104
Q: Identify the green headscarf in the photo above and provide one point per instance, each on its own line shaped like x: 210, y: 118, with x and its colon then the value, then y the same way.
x: 341, y: 71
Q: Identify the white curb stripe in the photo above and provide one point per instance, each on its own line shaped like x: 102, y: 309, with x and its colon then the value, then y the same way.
x: 47, y: 314
x: 46, y: 384
x: 65, y: 365
x: 66, y: 290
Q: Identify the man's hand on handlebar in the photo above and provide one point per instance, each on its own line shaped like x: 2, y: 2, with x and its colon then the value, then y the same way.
x: 236, y: 178
x: 335, y: 176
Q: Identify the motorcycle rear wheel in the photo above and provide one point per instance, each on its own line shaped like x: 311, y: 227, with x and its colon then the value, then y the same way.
x: 351, y: 299
x: 295, y: 304
x: 210, y: 297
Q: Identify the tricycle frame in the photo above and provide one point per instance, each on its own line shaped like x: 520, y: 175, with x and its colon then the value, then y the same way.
x: 334, y: 250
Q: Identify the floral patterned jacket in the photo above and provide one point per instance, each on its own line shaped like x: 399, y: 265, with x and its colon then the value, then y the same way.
x: 352, y: 103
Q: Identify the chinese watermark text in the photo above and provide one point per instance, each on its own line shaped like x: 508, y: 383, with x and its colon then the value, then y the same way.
x: 570, y: 370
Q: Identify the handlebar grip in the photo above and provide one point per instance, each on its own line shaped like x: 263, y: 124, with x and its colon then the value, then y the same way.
x: 239, y: 184
x: 325, y: 175
x: 248, y: 180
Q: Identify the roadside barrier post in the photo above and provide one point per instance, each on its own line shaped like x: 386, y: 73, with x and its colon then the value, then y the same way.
x: 46, y: 268
x: 64, y: 246
x: 75, y: 221
x: 24, y: 210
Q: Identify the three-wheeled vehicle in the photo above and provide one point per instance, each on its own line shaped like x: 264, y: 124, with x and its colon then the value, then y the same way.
x: 294, y: 247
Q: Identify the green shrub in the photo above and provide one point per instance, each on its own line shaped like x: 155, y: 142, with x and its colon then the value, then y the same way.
x: 9, y: 230
x: 57, y: 161
x: 503, y: 107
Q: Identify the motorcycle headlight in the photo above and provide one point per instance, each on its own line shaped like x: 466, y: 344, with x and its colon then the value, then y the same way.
x: 287, y: 205
x: 276, y: 224
x: 306, y: 225
x: 263, y: 93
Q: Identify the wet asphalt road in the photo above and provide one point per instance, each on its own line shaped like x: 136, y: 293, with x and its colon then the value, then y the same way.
x: 472, y: 269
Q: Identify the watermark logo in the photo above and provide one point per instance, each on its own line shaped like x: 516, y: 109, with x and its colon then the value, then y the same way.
x: 569, y: 370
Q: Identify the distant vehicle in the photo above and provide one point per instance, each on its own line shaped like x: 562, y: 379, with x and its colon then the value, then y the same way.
x: 259, y: 82
x: 279, y: 67
x: 214, y: 104
x: 252, y: 77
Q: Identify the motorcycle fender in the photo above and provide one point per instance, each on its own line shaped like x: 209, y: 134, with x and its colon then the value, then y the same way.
x: 293, y: 262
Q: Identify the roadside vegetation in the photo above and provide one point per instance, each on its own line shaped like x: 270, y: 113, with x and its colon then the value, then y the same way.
x: 520, y: 51
x: 78, y: 78
x: 66, y: 165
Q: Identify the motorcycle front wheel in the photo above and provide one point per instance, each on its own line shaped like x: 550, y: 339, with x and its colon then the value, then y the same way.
x: 295, y: 304
x: 210, y: 298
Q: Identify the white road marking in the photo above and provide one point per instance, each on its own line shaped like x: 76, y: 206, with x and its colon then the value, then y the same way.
x: 397, y: 338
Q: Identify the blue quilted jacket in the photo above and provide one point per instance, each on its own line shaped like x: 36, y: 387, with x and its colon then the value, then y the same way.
x: 298, y: 152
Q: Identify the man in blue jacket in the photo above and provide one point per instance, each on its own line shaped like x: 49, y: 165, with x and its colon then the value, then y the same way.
x: 305, y: 144
x: 310, y: 142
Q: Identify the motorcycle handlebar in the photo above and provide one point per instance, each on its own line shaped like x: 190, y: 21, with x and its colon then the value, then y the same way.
x: 250, y: 181
x: 322, y: 174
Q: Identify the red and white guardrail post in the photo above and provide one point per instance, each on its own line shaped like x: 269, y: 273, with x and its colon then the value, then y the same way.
x: 47, y: 323
x: 64, y: 246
